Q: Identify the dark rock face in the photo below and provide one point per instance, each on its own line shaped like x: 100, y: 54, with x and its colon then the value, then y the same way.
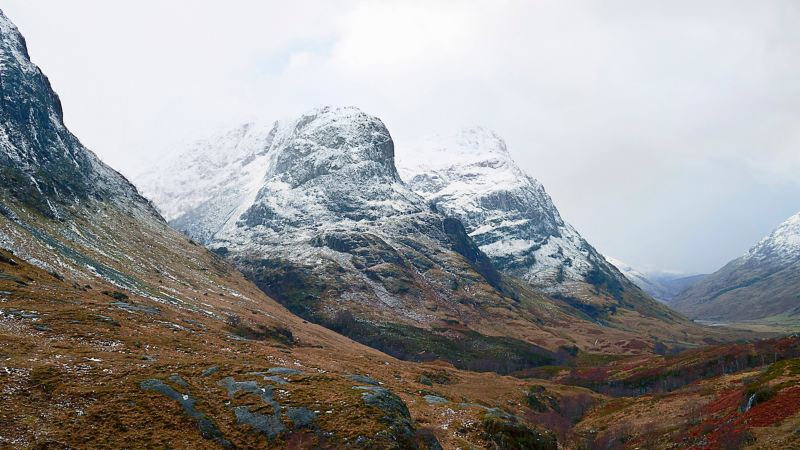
x: 270, y: 425
x: 394, y: 413
x: 471, y: 252
x: 42, y: 164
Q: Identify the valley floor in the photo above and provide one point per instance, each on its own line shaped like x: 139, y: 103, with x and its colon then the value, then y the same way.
x: 775, y: 324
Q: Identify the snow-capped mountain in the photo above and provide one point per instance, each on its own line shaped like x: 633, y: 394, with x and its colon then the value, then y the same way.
x: 314, y: 211
x: 223, y: 169
x: 338, y: 160
x: 781, y: 246
x: 471, y: 175
x: 65, y: 211
x: 763, y: 282
x: 638, y: 278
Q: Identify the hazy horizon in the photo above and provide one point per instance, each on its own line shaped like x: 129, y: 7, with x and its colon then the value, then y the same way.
x: 665, y: 133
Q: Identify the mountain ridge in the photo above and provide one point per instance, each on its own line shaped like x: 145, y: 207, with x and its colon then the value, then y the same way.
x: 329, y: 229
x: 43, y: 164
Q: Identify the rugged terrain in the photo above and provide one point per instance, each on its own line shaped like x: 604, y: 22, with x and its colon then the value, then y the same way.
x: 762, y: 286
x: 83, y: 366
x: 116, y: 330
x: 316, y: 214
x: 471, y: 175
x: 739, y: 396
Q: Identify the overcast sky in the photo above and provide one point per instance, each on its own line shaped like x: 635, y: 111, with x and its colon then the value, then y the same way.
x: 667, y: 132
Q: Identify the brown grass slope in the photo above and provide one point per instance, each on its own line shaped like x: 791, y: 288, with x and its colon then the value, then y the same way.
x: 90, y: 365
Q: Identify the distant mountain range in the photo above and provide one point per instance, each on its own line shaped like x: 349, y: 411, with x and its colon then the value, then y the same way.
x: 660, y: 285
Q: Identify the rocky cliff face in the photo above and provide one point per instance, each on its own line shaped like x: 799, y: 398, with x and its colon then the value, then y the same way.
x: 762, y: 283
x: 42, y: 164
x: 314, y: 211
x: 470, y: 175
x: 66, y: 212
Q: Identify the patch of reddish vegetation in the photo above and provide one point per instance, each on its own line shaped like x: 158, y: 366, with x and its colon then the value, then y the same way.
x: 719, y: 431
x: 725, y: 403
x: 720, y: 412
x: 785, y: 404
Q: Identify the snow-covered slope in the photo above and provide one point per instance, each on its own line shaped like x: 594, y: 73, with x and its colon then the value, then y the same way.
x: 638, y: 278
x: 763, y: 282
x: 471, y: 175
x: 781, y: 246
x: 201, y: 189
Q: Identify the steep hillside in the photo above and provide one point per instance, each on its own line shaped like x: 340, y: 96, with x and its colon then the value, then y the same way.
x: 763, y: 284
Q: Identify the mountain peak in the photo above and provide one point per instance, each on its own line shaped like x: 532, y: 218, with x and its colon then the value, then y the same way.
x: 12, y: 45
x: 333, y: 139
x: 339, y: 159
x: 761, y: 283
x: 470, y: 146
x: 44, y: 165
x: 471, y: 175
x: 783, y: 242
